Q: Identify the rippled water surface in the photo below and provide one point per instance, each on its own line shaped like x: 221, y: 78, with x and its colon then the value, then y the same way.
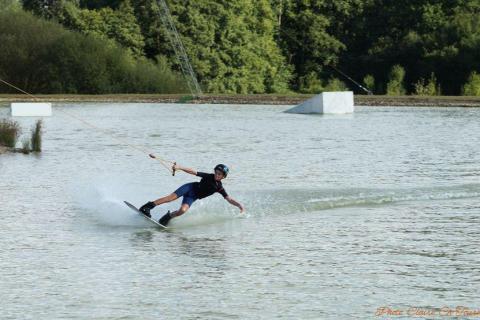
x: 345, y: 214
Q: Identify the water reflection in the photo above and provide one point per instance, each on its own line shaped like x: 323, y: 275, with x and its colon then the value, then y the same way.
x: 210, y: 250
x: 201, y: 247
x: 140, y: 238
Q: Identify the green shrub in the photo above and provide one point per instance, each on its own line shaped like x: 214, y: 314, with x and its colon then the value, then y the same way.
x: 395, y: 85
x: 335, y: 84
x: 369, y: 82
x: 472, y: 87
x: 69, y: 62
x: 310, y: 83
x: 36, y: 139
x: 9, y: 132
x: 428, y: 87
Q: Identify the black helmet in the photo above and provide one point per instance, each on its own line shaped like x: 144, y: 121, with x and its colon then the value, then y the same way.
x: 223, y: 168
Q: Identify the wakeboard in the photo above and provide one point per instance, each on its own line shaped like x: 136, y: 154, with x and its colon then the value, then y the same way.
x: 131, y: 206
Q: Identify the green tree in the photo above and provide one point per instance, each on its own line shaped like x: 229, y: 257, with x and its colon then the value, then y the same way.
x: 120, y: 24
x: 423, y: 36
x: 98, y: 4
x: 48, y: 9
x: 305, y: 39
x: 148, y: 17
x: 231, y: 45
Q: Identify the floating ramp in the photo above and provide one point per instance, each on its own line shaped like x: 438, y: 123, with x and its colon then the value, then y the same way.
x: 31, y: 109
x: 327, y: 103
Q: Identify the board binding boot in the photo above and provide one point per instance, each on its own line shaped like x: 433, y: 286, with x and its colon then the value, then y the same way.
x: 145, y: 209
x: 165, y: 219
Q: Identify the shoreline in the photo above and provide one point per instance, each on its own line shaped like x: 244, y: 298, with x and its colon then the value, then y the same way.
x: 5, y: 150
x: 258, y: 99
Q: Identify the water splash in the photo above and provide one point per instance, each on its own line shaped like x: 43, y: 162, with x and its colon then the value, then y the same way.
x: 105, y: 202
x: 308, y: 200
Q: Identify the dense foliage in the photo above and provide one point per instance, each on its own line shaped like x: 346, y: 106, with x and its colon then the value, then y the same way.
x: 255, y: 46
x: 41, y: 56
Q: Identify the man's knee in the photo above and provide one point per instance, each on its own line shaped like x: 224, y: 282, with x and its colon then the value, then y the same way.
x: 184, y: 208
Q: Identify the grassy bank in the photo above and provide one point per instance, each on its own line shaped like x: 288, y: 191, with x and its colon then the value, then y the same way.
x: 9, y: 133
x: 275, y: 99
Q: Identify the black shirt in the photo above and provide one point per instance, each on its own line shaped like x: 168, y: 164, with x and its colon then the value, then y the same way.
x: 208, y: 186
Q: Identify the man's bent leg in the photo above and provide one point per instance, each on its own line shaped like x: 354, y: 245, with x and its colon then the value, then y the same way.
x: 169, y: 215
x: 145, y: 209
x: 184, y: 208
x: 169, y: 198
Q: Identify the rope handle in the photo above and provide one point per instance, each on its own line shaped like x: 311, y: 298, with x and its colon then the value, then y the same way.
x: 162, y: 162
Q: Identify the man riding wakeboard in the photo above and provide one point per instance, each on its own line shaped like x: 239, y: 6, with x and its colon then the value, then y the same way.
x: 208, y: 185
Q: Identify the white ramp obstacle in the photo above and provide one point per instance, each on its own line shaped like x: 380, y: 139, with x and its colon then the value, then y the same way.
x: 327, y: 102
x: 31, y: 109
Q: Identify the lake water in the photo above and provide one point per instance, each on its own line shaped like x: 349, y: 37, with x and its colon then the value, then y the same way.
x: 345, y: 214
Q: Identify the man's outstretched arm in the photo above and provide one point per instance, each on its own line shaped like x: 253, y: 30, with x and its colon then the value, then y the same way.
x: 176, y: 167
x: 235, y: 203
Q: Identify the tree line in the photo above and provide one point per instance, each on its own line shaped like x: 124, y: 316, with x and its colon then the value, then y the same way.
x: 428, y: 47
